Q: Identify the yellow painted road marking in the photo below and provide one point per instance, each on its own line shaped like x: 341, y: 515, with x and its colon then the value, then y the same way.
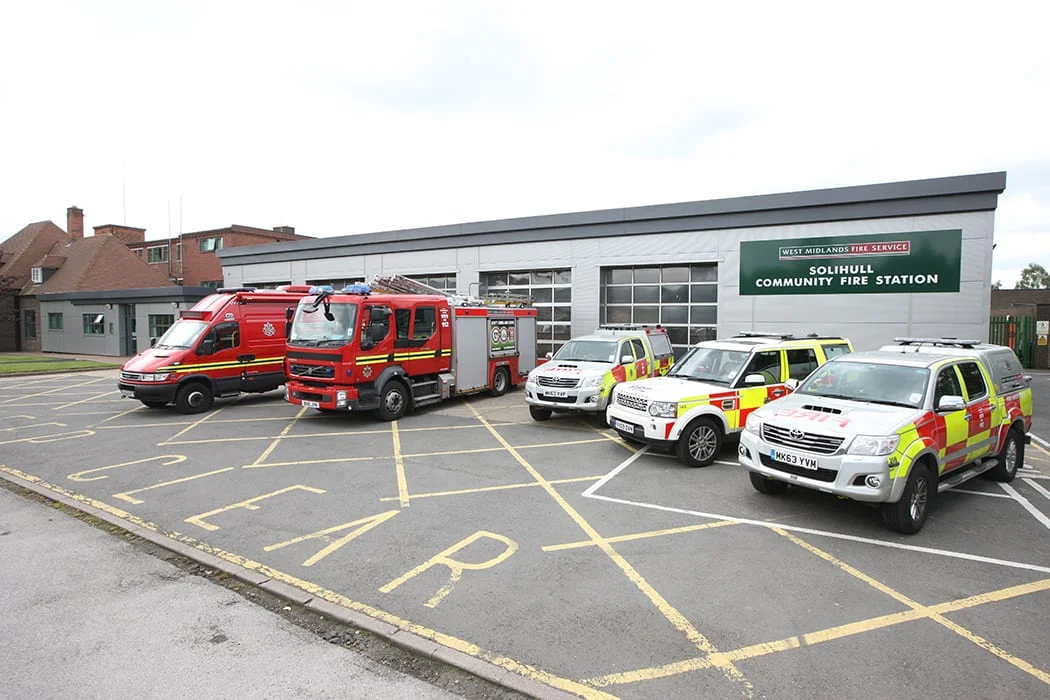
x: 126, y: 495
x: 482, y: 489
x: 317, y: 591
x: 920, y: 608
x: 119, y: 415
x: 90, y: 398
x: 399, y: 465
x: 64, y: 387
x: 34, y: 425
x: 820, y: 636
x: 365, y: 523
x: 41, y: 439
x: 79, y: 476
x: 639, y: 535
x: 277, y: 440
x: 672, y: 615
x: 1040, y: 447
x: 248, y: 504
x: 334, y: 460
x: 190, y: 427
x: 456, y: 566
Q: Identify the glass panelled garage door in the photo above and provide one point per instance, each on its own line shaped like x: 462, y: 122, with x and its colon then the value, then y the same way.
x: 551, y: 293
x: 682, y: 298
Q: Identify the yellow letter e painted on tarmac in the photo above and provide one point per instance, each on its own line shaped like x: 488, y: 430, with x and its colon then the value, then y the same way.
x: 366, y: 524
x: 247, y: 505
x: 457, y: 567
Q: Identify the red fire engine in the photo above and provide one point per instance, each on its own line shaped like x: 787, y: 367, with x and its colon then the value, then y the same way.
x: 398, y: 344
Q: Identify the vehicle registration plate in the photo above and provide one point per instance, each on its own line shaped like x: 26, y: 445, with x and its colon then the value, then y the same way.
x: 311, y: 404
x: 620, y: 425
x: 556, y: 393
x: 794, y: 459
x: 127, y: 394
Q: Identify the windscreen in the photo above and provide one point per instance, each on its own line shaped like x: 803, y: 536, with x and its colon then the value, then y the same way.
x: 587, y: 351
x: 874, y: 382
x: 710, y: 365
x: 312, y: 328
x: 182, y: 334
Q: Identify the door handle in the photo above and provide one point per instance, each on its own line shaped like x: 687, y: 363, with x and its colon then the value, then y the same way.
x: 966, y: 416
x: 245, y: 358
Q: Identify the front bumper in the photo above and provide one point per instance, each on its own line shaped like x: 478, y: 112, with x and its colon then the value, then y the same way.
x: 327, y: 398
x: 661, y: 432
x: 587, y: 399
x: 842, y: 475
x: 148, y: 392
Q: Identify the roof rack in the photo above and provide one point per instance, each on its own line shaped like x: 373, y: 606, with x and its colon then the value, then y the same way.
x: 954, y: 342
x: 399, y: 284
x: 629, y: 327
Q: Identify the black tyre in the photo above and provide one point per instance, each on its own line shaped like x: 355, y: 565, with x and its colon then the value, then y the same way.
x: 393, y: 403
x: 195, y: 397
x: 770, y: 487
x: 908, y: 514
x: 540, y: 413
x: 500, y: 381
x: 1011, y: 457
x: 154, y: 404
x: 700, y: 443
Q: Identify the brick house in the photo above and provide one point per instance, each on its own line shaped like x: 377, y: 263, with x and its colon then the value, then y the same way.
x: 19, y: 322
x: 190, y: 259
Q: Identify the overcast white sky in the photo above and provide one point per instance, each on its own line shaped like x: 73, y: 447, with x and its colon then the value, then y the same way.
x: 349, y: 117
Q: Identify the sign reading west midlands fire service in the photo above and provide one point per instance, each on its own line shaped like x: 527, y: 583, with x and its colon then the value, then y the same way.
x: 884, y: 263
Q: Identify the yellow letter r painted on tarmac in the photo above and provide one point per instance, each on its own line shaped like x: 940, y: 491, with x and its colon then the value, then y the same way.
x: 366, y: 524
x: 247, y: 505
x: 457, y: 567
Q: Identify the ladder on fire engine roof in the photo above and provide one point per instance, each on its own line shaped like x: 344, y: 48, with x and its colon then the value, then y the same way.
x: 399, y: 284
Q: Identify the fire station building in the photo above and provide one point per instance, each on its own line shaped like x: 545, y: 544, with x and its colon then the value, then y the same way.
x: 869, y: 262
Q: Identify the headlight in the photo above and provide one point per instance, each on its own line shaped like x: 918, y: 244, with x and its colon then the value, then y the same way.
x: 162, y: 377
x: 596, y: 380
x: 754, y: 424
x: 340, y: 396
x: 663, y: 409
x: 874, y: 445
x: 533, y: 375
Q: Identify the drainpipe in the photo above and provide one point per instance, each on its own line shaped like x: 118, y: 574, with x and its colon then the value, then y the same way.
x: 18, y: 323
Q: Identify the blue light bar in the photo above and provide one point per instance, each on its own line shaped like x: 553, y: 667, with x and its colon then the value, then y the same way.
x: 358, y: 288
x: 322, y: 288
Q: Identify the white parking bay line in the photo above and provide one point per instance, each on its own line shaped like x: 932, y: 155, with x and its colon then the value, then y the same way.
x: 833, y: 535
x: 1027, y: 505
x: 1040, y: 440
x: 1038, y: 488
x: 978, y: 493
x: 623, y: 465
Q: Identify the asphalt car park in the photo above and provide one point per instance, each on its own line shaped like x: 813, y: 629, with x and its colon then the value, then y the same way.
x: 558, y: 552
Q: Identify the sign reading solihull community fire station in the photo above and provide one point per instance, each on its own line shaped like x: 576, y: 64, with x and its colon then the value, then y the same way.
x: 885, y: 263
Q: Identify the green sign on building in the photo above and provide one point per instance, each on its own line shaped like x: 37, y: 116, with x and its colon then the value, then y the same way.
x: 884, y: 263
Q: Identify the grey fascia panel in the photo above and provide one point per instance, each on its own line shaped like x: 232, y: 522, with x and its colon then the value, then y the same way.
x: 156, y: 294
x: 947, y: 204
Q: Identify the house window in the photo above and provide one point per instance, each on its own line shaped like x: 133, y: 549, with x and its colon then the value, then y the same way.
x: 94, y: 324
x: 211, y: 283
x: 157, y: 254
x: 54, y: 322
x: 37, y: 275
x: 138, y: 252
x: 210, y: 245
x: 29, y: 318
x: 178, y: 252
x: 159, y: 323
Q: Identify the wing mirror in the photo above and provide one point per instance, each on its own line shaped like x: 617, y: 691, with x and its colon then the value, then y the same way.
x: 626, y: 360
x: 951, y: 403
x: 207, y: 346
x: 792, y: 383
x: 754, y: 380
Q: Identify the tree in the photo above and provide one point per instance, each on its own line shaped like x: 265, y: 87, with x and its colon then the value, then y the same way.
x: 1034, y: 276
x: 998, y: 284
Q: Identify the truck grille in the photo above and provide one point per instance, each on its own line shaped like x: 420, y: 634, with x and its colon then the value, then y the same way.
x: 558, y: 382
x: 636, y: 403
x: 132, y: 376
x: 799, y: 440
x: 312, y: 371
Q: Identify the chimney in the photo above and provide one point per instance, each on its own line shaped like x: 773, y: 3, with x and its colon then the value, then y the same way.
x: 290, y: 230
x: 75, y: 223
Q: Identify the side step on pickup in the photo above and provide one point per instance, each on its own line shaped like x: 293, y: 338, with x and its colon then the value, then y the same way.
x: 976, y: 469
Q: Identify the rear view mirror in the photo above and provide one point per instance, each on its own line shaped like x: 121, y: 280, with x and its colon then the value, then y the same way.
x: 951, y: 403
x: 754, y: 380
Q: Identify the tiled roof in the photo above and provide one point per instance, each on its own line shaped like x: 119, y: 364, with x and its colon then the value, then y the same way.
x: 98, y: 263
x: 21, y: 251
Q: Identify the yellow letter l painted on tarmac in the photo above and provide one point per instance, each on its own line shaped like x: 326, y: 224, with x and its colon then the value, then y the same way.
x: 457, y: 567
x: 366, y: 524
x: 247, y: 505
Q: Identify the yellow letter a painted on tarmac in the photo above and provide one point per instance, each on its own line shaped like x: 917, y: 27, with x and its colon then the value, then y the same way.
x: 457, y: 567
x: 366, y: 524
